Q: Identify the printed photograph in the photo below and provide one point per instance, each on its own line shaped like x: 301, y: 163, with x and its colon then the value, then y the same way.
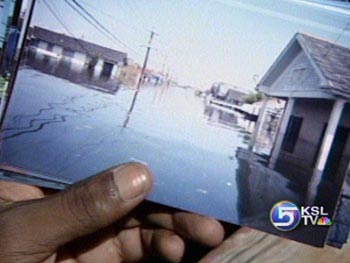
x: 240, y: 108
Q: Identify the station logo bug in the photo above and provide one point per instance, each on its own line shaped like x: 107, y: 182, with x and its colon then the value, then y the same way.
x: 286, y: 216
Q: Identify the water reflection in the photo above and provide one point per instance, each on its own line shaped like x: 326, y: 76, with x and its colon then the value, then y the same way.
x: 216, y: 116
x: 61, y: 126
x: 65, y: 68
x: 260, y: 188
x: 229, y: 119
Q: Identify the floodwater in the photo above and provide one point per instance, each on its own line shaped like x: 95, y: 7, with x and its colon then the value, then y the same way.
x: 70, y: 131
x: 67, y: 125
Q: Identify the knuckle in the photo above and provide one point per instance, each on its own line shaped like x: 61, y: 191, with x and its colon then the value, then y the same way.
x: 78, y: 207
x: 89, y: 203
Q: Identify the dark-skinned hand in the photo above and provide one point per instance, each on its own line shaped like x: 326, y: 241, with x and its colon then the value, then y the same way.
x: 101, y: 219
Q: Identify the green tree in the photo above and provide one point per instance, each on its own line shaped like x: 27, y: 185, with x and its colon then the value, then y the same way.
x: 253, y: 97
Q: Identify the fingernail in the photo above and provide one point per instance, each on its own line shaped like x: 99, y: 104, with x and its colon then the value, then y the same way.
x: 131, y: 181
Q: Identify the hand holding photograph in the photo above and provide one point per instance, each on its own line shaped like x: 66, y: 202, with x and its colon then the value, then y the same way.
x: 240, y: 108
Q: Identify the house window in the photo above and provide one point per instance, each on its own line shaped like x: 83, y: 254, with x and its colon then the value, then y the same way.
x: 292, y: 134
x: 50, y: 46
x: 68, y: 53
x: 34, y: 42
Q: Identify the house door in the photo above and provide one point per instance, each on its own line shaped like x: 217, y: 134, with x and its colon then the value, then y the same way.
x: 292, y: 134
x: 336, y: 153
x: 107, y: 69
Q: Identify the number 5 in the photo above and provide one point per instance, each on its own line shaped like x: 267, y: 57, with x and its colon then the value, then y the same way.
x: 286, y: 211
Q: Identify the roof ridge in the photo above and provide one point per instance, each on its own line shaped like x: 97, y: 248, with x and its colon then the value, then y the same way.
x: 91, y: 48
x: 333, y: 61
x: 77, y: 39
x: 318, y: 38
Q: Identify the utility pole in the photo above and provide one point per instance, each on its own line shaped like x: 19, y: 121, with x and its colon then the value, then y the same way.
x: 140, y: 79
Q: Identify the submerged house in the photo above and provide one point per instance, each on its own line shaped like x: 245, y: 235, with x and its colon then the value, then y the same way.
x: 130, y: 74
x: 79, y: 52
x: 228, y: 93
x: 313, y: 76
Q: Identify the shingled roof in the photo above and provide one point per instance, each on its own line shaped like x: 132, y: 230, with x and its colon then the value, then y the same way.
x: 333, y: 61
x: 78, y: 45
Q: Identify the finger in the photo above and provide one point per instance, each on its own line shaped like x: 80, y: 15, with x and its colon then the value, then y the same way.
x: 109, y: 245
x: 13, y: 192
x: 80, y: 210
x: 164, y: 244
x: 130, y: 245
x: 239, y: 241
x: 64, y: 255
x: 101, y: 247
x: 204, y: 230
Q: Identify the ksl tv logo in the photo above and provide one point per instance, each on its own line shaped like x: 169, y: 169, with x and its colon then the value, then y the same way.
x: 286, y: 216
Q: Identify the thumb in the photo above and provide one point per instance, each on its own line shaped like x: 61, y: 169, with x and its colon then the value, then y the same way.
x: 77, y: 211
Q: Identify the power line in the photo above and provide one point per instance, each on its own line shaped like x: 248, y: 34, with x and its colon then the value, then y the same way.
x: 99, y: 25
x: 87, y: 19
x: 55, y: 14
x: 113, y: 17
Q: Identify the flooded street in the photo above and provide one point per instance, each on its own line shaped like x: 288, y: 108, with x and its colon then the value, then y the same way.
x: 235, y: 123
x: 66, y: 125
x: 78, y: 133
